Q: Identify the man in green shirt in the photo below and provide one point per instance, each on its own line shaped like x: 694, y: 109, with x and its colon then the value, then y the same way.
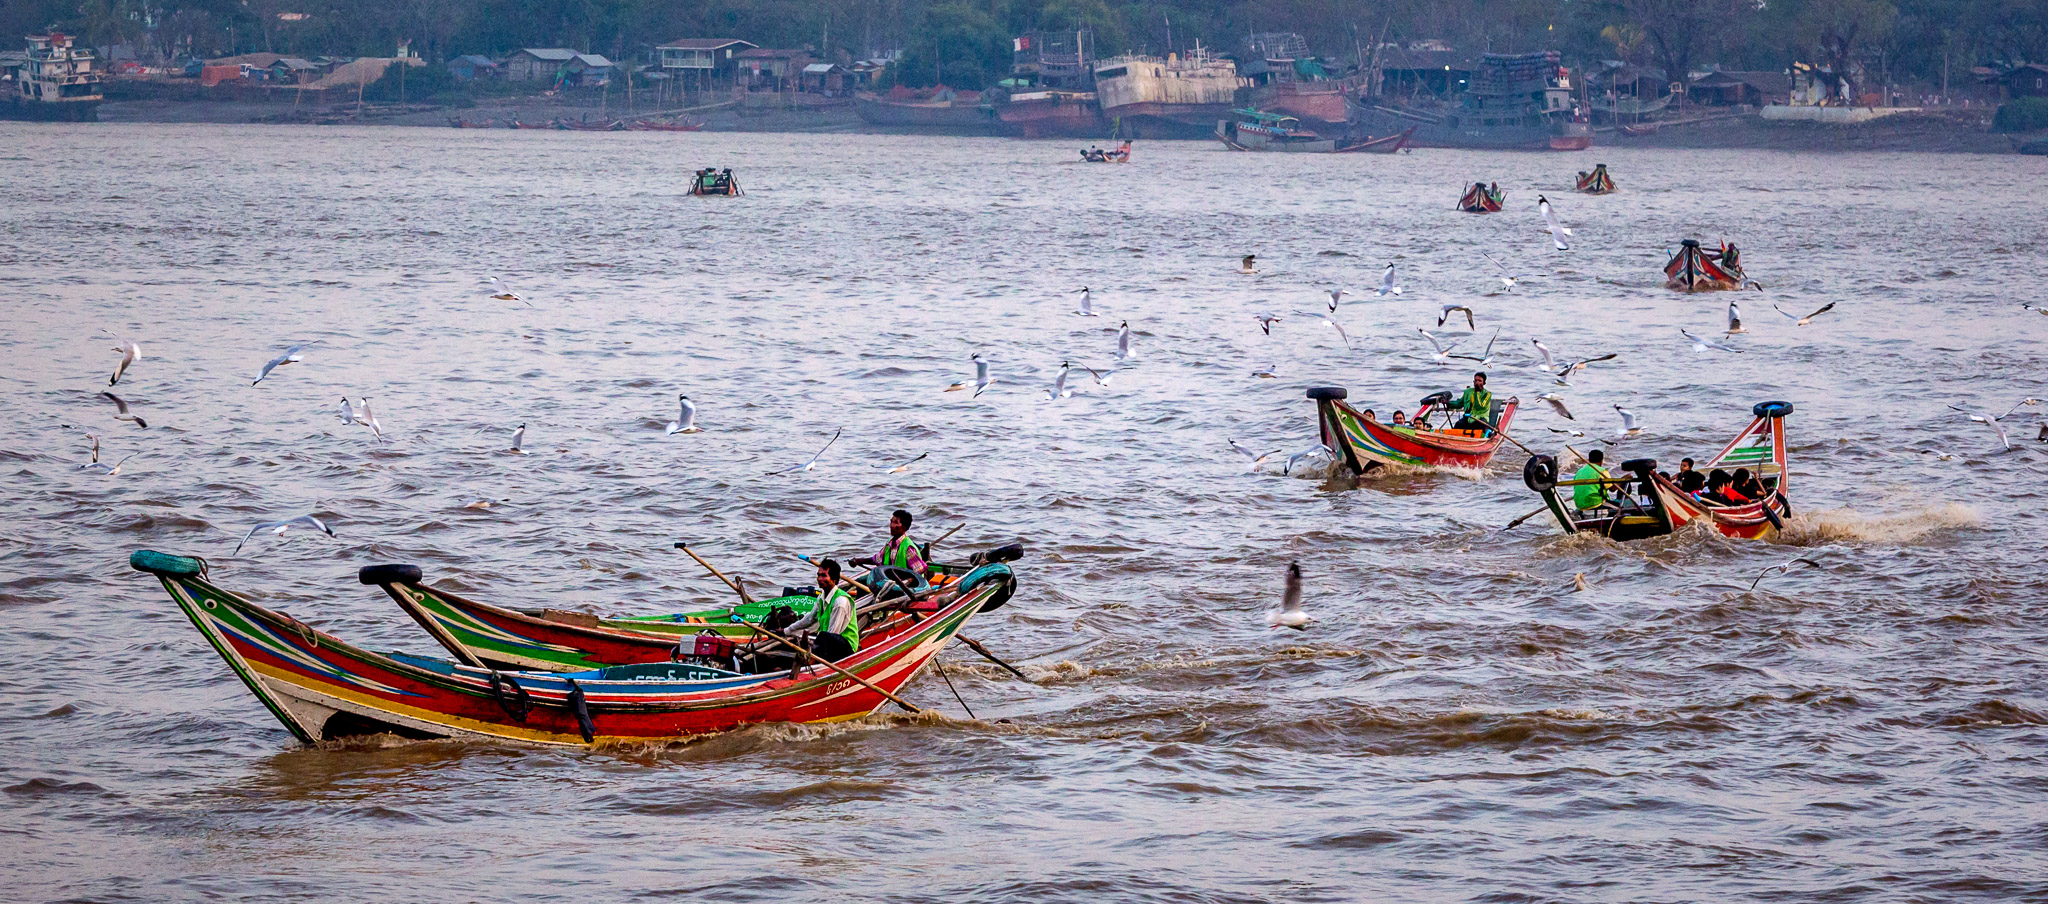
x: 1477, y: 404
x: 836, y: 622
x: 1591, y: 497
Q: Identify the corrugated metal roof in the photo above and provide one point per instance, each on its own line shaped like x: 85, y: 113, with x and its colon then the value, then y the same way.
x: 704, y: 44
x: 820, y: 68
x: 594, y: 61
x: 551, y: 54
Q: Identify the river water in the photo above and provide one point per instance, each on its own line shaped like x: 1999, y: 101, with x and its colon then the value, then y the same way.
x: 1460, y: 723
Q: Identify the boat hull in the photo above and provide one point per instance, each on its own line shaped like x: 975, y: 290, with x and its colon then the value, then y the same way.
x: 1449, y: 129
x: 322, y: 688
x: 1363, y: 444
x: 952, y: 118
x: 1159, y: 121
x: 21, y: 110
x: 1053, y: 116
x: 1237, y: 140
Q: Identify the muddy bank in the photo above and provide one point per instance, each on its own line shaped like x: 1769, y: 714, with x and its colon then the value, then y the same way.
x: 1962, y: 132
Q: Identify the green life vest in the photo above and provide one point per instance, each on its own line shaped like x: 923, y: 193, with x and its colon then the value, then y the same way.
x: 1589, y: 495
x: 1477, y: 403
x: 901, y: 553
x: 830, y: 602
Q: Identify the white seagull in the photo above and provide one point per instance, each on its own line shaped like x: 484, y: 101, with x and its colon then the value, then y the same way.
x: 292, y: 355
x: 1255, y: 460
x: 1628, y: 423
x: 1802, y: 321
x: 1450, y: 309
x: 1336, y: 294
x: 130, y: 353
x: 2035, y: 308
x: 1269, y: 371
x: 1781, y: 569
x: 1485, y: 359
x: 497, y: 290
x: 1556, y: 404
x: 1245, y: 266
x: 686, y: 417
x: 1101, y: 377
x: 981, y: 377
x: 518, y: 441
x: 1087, y: 304
x: 813, y: 463
x: 1988, y: 420
x: 360, y: 414
x: 1266, y: 322
x: 100, y: 466
x: 1507, y: 278
x: 121, y: 410
x: 1289, y: 615
x: 898, y: 469
x: 2023, y: 403
x: 1558, y: 231
x: 1567, y: 431
x: 1387, y: 286
x: 1123, y: 342
x: 1059, y: 388
x: 1443, y: 352
x: 1702, y: 345
x: 1313, y: 452
x: 1735, y: 320
x: 1332, y: 321
x: 278, y: 528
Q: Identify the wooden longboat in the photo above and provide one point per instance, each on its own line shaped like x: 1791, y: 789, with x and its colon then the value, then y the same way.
x: 322, y: 688
x: 1364, y: 443
x: 1695, y: 269
x: 1652, y: 505
x: 1596, y: 182
x: 481, y: 634
x: 1482, y: 199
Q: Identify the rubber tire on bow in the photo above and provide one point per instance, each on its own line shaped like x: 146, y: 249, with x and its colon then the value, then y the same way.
x: 1642, y: 467
x: 1772, y: 409
x: 389, y: 574
x: 1540, y: 473
x: 1327, y: 393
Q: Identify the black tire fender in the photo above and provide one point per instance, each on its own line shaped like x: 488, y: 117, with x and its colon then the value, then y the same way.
x: 1327, y: 393
x: 1772, y: 409
x: 389, y: 574
x: 1540, y: 473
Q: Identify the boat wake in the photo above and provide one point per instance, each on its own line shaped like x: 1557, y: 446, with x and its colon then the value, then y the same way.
x: 1821, y: 527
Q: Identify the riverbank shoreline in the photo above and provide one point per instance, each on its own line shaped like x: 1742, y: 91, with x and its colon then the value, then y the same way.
x: 1960, y: 131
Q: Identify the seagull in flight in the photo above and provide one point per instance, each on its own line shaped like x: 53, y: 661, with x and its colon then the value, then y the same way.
x: 981, y: 378
x: 497, y: 290
x: 1802, y: 321
x: 1938, y: 454
x: 121, y: 410
x: 1269, y: 371
x: 906, y: 465
x: 1735, y: 320
x: 1332, y: 321
x: 2023, y: 403
x: 277, y: 528
x: 1556, y: 404
x: 1313, y: 452
x: 1123, y: 342
x: 1485, y: 359
x: 1255, y: 460
x: 1450, y: 309
x: 292, y: 355
x: 1266, y: 322
x: 1443, y: 352
x: 1289, y: 615
x: 813, y: 463
x: 1336, y: 294
x: 1087, y: 303
x: 1507, y: 278
x: 1988, y: 420
x: 2035, y: 308
x: 360, y: 414
x: 1781, y: 569
x: 1101, y: 377
x: 130, y: 353
x: 686, y: 417
x: 1567, y: 432
x: 112, y: 470
x: 1059, y: 388
x: 1558, y: 231
x: 1387, y: 286
x: 1245, y: 266
x: 518, y: 441
x: 1628, y: 423
x: 1702, y: 345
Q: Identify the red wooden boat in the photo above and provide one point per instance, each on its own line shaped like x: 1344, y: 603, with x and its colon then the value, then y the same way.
x: 1482, y: 198
x: 1695, y: 269
x: 1363, y: 443
x: 1651, y: 505
x: 1596, y: 182
x: 322, y: 688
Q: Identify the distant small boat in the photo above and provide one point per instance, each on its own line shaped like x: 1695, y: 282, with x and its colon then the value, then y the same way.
x: 1640, y: 129
x: 615, y: 125
x: 1260, y: 131
x: 1482, y: 198
x: 1596, y: 182
x: 1120, y: 154
x: 644, y: 125
x: 1695, y: 269
x: 710, y: 181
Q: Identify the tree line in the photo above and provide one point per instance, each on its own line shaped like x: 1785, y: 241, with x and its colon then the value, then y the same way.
x: 967, y: 43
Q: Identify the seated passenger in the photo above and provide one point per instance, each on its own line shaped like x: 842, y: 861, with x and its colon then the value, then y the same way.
x: 1368, y: 415
x: 1688, y: 479
x: 1591, y: 498
x: 1717, y: 486
x: 1400, y: 420
x: 1737, y: 486
x: 1748, y: 485
x: 834, y: 618
x: 898, y: 552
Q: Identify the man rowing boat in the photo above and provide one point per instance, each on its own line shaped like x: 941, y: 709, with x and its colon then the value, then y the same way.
x: 1477, y: 404
x: 838, y: 630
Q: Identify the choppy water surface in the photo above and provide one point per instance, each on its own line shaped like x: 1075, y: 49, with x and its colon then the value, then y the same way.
x: 1459, y: 724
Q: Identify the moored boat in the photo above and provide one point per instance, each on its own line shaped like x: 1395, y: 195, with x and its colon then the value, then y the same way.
x: 1257, y: 130
x: 322, y: 688
x: 1176, y: 97
x: 714, y: 181
x: 647, y: 125
x: 1695, y: 269
x: 1363, y: 443
x: 1048, y: 113
x: 1650, y: 504
x: 54, y: 82
x: 1596, y: 182
x: 1482, y: 198
x: 938, y: 110
x: 481, y: 634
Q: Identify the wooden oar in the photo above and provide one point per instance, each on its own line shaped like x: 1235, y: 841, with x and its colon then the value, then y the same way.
x: 942, y: 537
x: 801, y: 652
x: 985, y: 654
x: 714, y: 572
x: 1518, y: 521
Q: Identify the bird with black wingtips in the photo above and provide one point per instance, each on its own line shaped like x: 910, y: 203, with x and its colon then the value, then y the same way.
x: 131, y: 352
x: 686, y: 417
x: 292, y: 355
x: 121, y: 410
x: 278, y: 528
x: 1290, y: 614
x: 1387, y: 286
x: 1802, y: 321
